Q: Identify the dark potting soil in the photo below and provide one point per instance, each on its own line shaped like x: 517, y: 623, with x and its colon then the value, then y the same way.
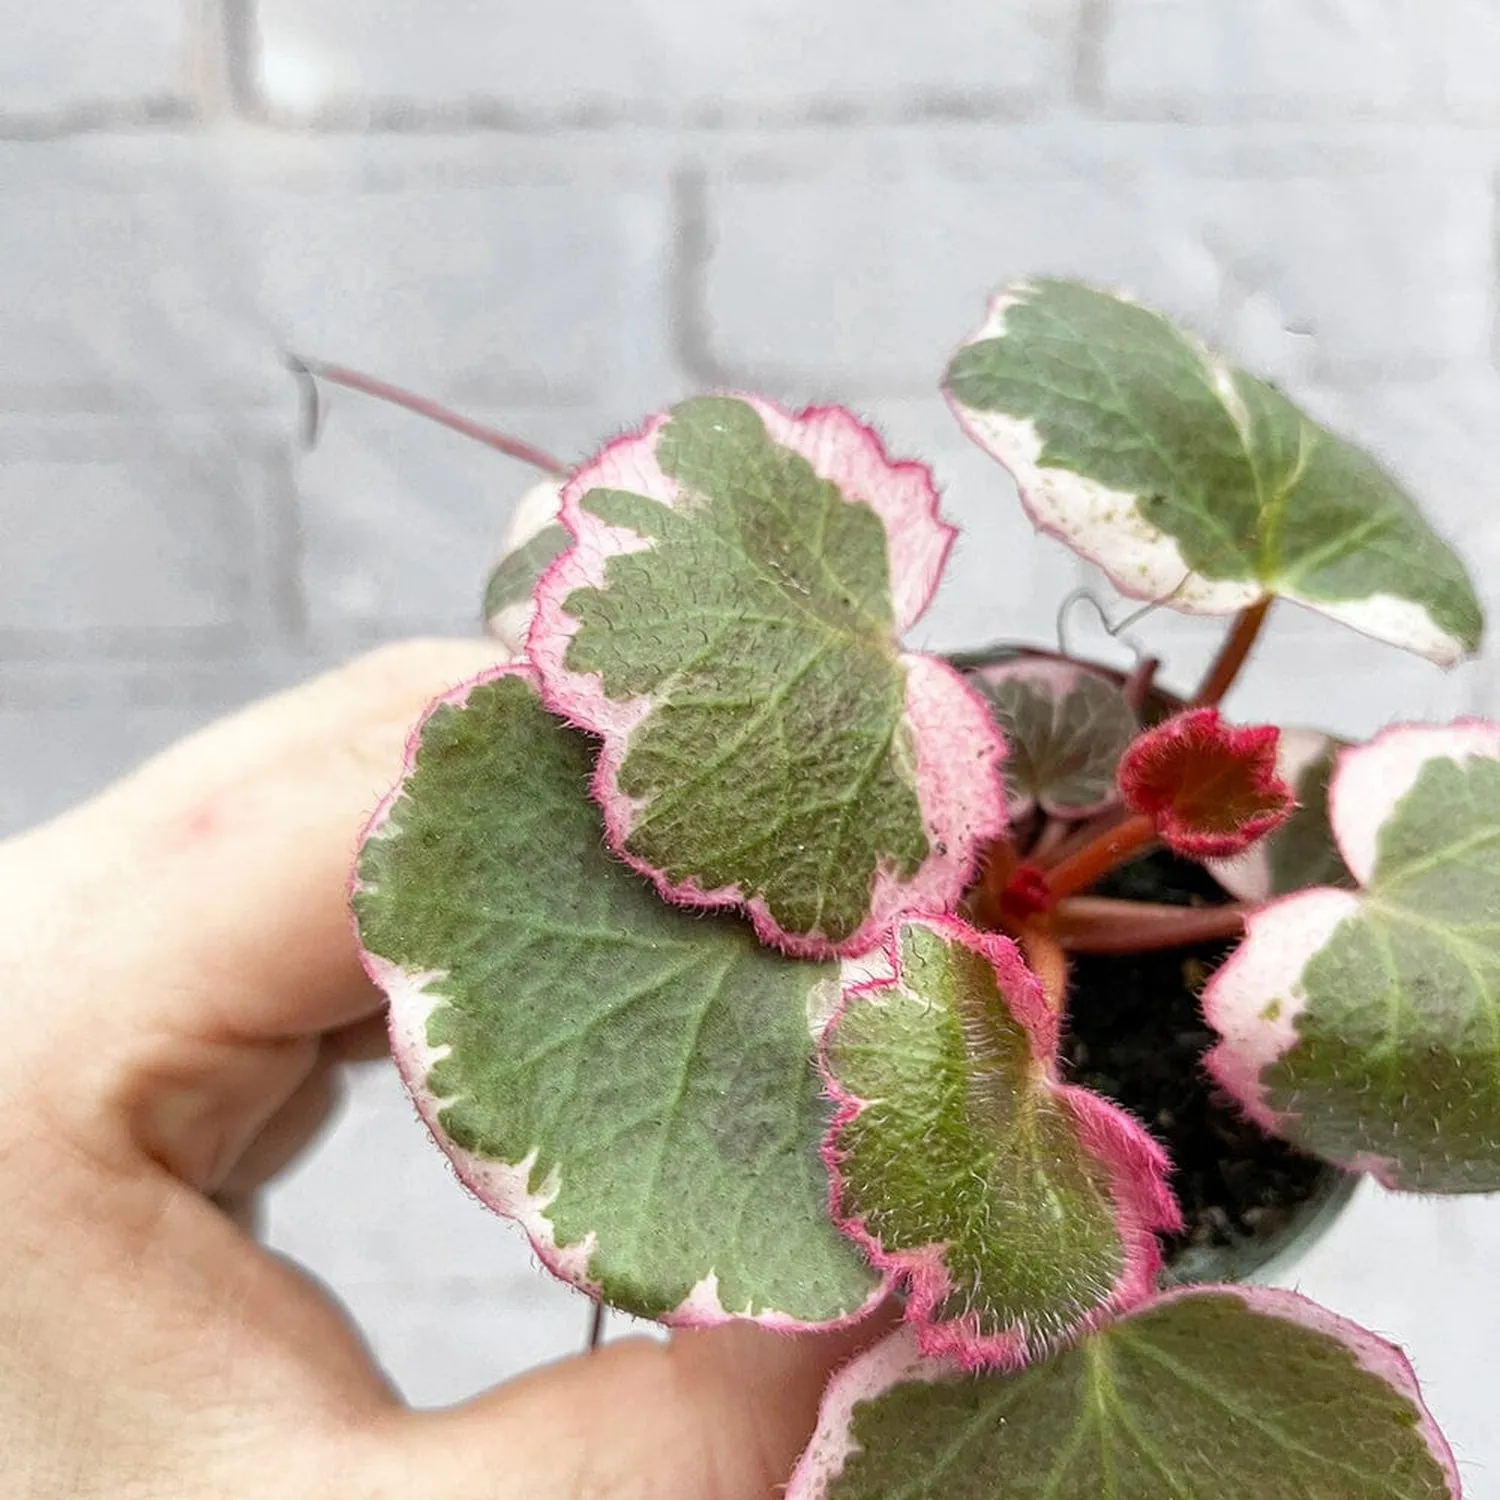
x: 1136, y: 1034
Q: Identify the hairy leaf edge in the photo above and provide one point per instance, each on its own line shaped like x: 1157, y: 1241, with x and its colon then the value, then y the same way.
x: 897, y: 1360
x: 962, y: 797
x: 1138, y: 1168
x: 1241, y: 999
x: 504, y: 1187
x: 1247, y: 875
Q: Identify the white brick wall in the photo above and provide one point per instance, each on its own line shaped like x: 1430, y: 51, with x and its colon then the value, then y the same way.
x: 563, y: 216
x: 92, y: 54
x: 1303, y: 59
x: 655, y: 59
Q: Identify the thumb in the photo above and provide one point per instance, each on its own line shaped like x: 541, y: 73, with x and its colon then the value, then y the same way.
x: 171, y: 952
x: 720, y: 1414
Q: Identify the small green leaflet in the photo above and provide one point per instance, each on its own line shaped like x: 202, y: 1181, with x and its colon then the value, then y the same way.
x: 1189, y: 481
x: 534, y: 540
x: 1066, y: 728
x: 729, y: 624
x: 1202, y: 1395
x: 1364, y: 1026
x: 1302, y: 852
x: 516, y: 573
x: 1018, y: 1209
x: 635, y: 1084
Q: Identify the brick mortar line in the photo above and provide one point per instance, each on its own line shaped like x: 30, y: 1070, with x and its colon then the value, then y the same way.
x: 691, y: 326
x: 1088, y: 54
x: 168, y: 113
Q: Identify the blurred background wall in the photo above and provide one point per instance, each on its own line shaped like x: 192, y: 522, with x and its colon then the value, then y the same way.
x: 561, y: 216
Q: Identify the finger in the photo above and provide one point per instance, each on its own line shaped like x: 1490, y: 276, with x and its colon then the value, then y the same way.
x: 285, y: 1136
x: 716, y: 1415
x: 169, y: 949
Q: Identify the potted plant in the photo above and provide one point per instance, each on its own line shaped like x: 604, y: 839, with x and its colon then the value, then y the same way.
x: 764, y: 969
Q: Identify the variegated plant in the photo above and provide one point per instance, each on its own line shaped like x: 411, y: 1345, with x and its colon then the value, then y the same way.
x: 728, y: 941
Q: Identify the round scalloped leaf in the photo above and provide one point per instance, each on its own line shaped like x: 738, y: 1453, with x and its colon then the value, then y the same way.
x: 729, y: 624
x: 1193, y: 483
x: 1205, y: 1393
x: 1018, y: 1209
x: 633, y: 1083
x: 534, y: 540
x: 1065, y: 728
x: 1365, y: 1026
x: 1302, y: 852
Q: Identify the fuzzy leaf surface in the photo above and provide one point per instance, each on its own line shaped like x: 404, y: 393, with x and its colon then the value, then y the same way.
x: 729, y: 624
x: 1189, y: 481
x: 634, y: 1083
x: 1364, y: 1026
x: 1302, y: 852
x: 1018, y: 1209
x: 1202, y: 1394
x: 1065, y: 729
x: 1212, y: 788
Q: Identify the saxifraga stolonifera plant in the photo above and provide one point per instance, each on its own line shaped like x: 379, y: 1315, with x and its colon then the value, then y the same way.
x: 737, y: 952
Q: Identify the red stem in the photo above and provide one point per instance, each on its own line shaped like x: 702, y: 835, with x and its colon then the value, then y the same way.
x: 1232, y: 654
x: 1096, y: 859
x: 1081, y: 835
x: 987, y: 903
x: 1138, y: 685
x: 1099, y: 924
x: 1048, y: 962
x: 382, y: 390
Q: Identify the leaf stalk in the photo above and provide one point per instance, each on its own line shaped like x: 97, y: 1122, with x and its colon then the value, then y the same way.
x: 1232, y: 654
x: 1111, y: 849
x: 1101, y: 924
x: 382, y: 390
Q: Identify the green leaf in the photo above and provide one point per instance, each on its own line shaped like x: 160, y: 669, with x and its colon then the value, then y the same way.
x: 1204, y: 1394
x: 729, y: 624
x: 1066, y: 728
x: 1365, y: 1027
x: 1193, y: 483
x: 1302, y: 852
x: 1018, y: 1209
x: 534, y: 540
x: 634, y: 1084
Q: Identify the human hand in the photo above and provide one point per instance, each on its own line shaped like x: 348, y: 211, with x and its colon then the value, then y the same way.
x: 178, y: 977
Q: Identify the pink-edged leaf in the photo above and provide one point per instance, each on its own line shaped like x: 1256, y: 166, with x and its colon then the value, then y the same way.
x: 1301, y: 852
x: 1211, y: 788
x: 1200, y: 1394
x: 534, y: 540
x: 634, y: 1083
x: 1066, y: 727
x: 1364, y: 1026
x: 729, y: 624
x: 1019, y: 1210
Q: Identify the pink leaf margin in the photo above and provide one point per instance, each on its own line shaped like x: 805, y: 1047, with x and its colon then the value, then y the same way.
x: 1138, y: 1169
x: 959, y: 750
x: 1254, y: 998
x: 897, y: 1360
x: 505, y: 1187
